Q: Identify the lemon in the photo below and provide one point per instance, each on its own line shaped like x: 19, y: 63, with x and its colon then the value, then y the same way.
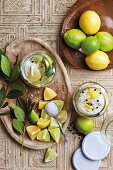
x: 42, y: 104
x: 43, y: 123
x: 44, y: 136
x: 33, y: 117
x: 59, y: 103
x: 50, y: 155
x: 90, y: 45
x: 74, y: 38
x: 62, y: 116
x: 44, y: 114
x: 98, y: 60
x: 106, y: 41
x: 49, y: 94
x: 90, y: 22
x: 34, y: 74
x: 55, y: 133
x: 33, y: 131
x: 53, y: 123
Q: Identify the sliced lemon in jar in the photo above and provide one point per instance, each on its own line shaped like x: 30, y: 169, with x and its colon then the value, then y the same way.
x: 93, y: 94
x: 50, y: 155
x: 44, y: 136
x: 34, y: 74
x: 88, y: 107
x: 33, y: 131
x: 43, y: 123
x: 49, y: 94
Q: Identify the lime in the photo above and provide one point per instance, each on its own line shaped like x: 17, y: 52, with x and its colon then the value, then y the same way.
x: 84, y: 125
x: 37, y: 58
x: 98, y: 60
x: 42, y: 104
x: 59, y: 103
x: 44, y: 114
x: 106, y: 41
x: 43, y: 123
x: 33, y: 131
x: 50, y: 155
x: 53, y: 123
x: 90, y: 22
x: 55, y: 133
x: 33, y: 117
x: 74, y: 38
x: 44, y: 136
x: 34, y: 74
x: 62, y: 116
x: 49, y: 94
x: 90, y: 45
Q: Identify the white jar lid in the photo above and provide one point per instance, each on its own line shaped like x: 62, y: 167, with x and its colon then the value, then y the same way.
x: 80, y: 162
x: 95, y: 147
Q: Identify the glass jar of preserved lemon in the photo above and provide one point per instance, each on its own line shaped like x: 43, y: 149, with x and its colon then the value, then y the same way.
x: 90, y: 100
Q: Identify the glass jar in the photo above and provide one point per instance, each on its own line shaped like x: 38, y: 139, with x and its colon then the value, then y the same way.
x: 38, y: 69
x: 107, y: 129
x: 90, y: 100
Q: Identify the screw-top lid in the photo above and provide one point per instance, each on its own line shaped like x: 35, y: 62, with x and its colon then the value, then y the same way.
x: 95, y: 147
x: 80, y: 162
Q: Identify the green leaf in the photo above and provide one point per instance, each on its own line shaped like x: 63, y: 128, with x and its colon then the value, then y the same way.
x: 5, y: 114
x: 18, y: 126
x: 4, y: 105
x: 21, y: 103
x: 2, y: 94
x: 15, y: 72
x: 50, y: 71
x: 13, y: 94
x: 19, y: 113
x: 5, y: 65
x: 18, y: 86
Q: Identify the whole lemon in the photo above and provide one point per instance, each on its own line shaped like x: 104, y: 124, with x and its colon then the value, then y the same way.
x: 98, y: 60
x: 106, y: 41
x: 90, y: 22
x: 74, y: 38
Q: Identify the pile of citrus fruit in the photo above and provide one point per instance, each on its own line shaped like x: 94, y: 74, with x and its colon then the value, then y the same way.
x: 93, y: 44
x: 43, y: 126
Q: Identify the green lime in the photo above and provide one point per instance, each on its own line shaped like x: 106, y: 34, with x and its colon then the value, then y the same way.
x: 106, y: 41
x: 50, y: 155
x: 33, y: 117
x: 74, y: 38
x: 59, y: 103
x: 90, y: 45
x: 62, y: 116
x: 53, y: 123
x: 55, y: 133
x: 44, y: 136
x: 44, y: 114
x: 84, y: 125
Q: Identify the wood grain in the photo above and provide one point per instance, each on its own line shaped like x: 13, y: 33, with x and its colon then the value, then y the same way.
x: 60, y: 83
x: 104, y: 9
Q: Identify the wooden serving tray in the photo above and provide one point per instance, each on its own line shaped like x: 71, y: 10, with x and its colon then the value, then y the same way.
x: 61, y: 84
x: 105, y: 10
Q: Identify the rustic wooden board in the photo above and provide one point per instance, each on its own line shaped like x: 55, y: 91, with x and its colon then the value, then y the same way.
x: 60, y: 83
x: 104, y: 9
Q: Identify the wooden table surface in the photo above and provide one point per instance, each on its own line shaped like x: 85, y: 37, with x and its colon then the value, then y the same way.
x: 43, y: 19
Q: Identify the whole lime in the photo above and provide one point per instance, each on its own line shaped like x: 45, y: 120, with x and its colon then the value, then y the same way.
x: 106, y: 41
x: 98, y: 60
x: 84, y: 125
x: 90, y: 45
x: 74, y: 38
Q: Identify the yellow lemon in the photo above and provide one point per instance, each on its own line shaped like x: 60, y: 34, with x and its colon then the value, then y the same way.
x: 43, y: 123
x: 90, y: 22
x: 98, y: 60
x: 42, y: 104
x: 49, y: 94
x: 33, y: 131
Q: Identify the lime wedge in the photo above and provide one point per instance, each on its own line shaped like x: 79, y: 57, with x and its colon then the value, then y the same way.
x: 59, y: 103
x: 34, y: 74
x: 33, y: 117
x: 37, y: 58
x: 49, y: 94
x: 44, y: 114
x: 53, y: 123
x: 44, y: 136
x: 43, y: 123
x: 62, y: 116
x: 33, y: 131
x: 55, y: 133
x: 50, y: 155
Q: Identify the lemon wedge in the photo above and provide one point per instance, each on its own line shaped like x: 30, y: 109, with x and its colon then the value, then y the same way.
x: 34, y: 74
x: 33, y: 131
x: 49, y: 94
x: 43, y: 123
x: 42, y: 104
x: 50, y: 155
